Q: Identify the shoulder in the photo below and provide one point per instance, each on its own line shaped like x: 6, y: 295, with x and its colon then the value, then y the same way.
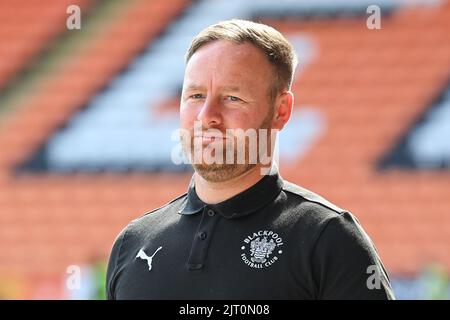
x: 164, y: 214
x: 167, y: 210
x: 310, y: 207
x: 336, y: 236
x: 317, y: 214
x: 314, y: 199
x: 141, y: 227
x: 133, y: 235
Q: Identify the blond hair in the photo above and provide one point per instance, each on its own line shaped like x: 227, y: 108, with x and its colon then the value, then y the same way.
x: 277, y: 49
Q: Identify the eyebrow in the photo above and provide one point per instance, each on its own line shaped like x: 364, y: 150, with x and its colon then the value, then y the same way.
x: 231, y: 88
x: 226, y: 88
x: 194, y: 87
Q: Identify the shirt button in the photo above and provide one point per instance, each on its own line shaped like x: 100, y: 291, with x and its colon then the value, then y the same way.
x: 202, y: 235
x: 211, y: 213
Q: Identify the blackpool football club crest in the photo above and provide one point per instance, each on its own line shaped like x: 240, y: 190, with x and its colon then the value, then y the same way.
x: 261, y: 249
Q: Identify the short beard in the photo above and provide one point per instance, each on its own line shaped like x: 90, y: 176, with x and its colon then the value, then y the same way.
x: 220, y: 172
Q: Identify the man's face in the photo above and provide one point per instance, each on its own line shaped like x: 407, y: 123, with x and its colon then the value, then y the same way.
x: 226, y: 86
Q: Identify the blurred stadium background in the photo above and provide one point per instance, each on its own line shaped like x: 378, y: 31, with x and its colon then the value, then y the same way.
x: 86, y: 118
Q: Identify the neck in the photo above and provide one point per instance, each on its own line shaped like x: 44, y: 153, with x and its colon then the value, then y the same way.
x: 215, y: 192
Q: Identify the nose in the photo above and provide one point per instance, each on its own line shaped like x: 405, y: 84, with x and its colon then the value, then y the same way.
x: 210, y: 114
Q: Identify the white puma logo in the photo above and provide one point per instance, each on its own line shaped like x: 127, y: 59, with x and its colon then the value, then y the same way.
x: 141, y: 254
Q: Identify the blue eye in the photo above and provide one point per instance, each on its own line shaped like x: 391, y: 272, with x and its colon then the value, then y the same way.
x: 196, y: 96
x: 233, y: 98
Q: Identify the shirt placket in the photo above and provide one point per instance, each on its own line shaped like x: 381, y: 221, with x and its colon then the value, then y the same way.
x: 202, y: 239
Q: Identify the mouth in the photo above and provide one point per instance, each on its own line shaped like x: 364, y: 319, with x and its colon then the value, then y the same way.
x: 207, y: 139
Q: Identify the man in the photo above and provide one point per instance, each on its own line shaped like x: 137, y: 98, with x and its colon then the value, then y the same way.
x: 241, y: 231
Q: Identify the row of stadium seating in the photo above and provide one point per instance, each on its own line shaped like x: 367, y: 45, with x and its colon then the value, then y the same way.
x: 363, y: 88
x: 26, y: 27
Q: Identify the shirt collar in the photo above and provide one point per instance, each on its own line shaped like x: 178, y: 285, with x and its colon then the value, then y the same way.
x: 244, y: 203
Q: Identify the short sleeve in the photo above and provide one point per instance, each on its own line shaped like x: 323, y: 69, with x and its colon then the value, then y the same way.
x: 346, y: 264
x: 113, y: 265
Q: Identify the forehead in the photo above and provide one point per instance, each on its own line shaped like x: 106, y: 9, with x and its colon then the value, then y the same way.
x: 225, y: 61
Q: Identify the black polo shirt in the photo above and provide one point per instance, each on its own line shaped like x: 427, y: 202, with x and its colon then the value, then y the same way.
x: 275, y: 240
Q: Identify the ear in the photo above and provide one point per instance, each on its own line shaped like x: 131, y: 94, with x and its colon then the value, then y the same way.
x: 283, y: 109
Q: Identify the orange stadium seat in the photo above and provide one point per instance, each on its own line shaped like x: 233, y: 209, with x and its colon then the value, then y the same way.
x: 25, y: 34
x: 366, y: 91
